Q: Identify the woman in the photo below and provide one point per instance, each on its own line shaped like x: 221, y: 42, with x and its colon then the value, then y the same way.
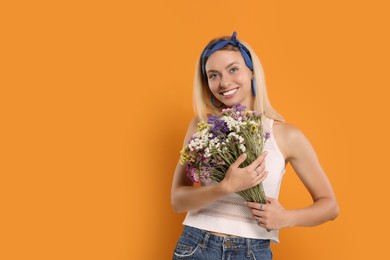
x: 219, y: 223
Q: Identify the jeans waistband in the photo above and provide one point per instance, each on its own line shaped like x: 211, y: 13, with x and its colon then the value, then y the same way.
x: 205, y: 238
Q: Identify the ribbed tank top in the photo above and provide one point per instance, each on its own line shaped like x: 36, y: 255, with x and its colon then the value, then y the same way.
x: 229, y: 215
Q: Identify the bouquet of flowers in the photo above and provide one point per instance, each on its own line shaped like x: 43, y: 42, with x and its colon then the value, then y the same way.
x: 220, y: 141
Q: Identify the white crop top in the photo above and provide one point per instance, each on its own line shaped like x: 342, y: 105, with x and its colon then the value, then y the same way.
x: 229, y: 215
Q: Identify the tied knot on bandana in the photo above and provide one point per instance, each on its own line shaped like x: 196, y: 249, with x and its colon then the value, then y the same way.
x: 234, y: 41
x: 215, y: 46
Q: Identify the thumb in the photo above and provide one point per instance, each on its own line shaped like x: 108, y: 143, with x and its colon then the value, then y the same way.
x: 270, y: 199
x: 239, y: 160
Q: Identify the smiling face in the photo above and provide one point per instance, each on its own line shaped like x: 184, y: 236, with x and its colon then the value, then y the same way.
x: 229, y: 78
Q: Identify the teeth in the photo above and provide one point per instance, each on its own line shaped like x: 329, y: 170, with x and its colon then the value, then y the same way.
x: 230, y: 92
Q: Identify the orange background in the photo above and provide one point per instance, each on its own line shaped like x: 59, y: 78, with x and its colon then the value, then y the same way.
x: 96, y: 97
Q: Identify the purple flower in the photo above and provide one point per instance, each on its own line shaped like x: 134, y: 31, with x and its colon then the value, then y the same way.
x: 239, y: 107
x: 192, y: 174
x: 267, y: 135
x: 219, y: 126
x: 205, y: 176
x: 237, y: 112
x: 258, y: 114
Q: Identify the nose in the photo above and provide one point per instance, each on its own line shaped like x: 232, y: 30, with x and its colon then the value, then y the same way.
x: 225, y: 81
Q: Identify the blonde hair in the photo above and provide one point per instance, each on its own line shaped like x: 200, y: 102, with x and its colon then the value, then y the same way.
x: 201, y: 92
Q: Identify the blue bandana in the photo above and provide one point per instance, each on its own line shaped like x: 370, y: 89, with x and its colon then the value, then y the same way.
x: 219, y: 45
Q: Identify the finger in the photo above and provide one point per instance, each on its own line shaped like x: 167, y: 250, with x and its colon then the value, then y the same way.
x: 260, y: 169
x: 259, y: 211
x: 252, y: 205
x: 264, y: 226
x: 258, y: 172
x: 257, y: 215
x: 258, y: 161
x: 270, y: 200
x: 261, y: 177
x: 260, y: 221
x: 239, y: 160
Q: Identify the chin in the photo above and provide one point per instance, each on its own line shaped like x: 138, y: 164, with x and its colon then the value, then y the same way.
x: 231, y: 102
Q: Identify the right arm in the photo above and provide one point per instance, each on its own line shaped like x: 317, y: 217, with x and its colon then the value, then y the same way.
x: 185, y: 196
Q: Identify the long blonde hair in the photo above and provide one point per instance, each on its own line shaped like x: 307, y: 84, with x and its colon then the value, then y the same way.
x: 201, y: 92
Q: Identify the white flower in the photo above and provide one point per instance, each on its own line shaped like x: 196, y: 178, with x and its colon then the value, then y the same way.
x: 199, y: 141
x: 237, y: 137
x: 233, y: 124
x: 207, y: 152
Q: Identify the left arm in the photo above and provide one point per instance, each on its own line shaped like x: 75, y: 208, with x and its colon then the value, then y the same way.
x: 299, y: 152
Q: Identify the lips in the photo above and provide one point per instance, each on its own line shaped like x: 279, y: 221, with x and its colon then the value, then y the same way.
x: 229, y: 92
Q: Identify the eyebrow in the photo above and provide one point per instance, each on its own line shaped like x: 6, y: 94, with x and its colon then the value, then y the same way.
x: 229, y: 65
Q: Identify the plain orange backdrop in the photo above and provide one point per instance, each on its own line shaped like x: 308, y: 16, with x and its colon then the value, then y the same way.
x: 95, y: 98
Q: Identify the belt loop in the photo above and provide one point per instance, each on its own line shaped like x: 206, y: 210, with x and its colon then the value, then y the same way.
x: 248, y: 246
x: 205, y: 239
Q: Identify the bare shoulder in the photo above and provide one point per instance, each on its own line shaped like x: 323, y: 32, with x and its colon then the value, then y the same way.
x: 191, y: 129
x: 288, y: 137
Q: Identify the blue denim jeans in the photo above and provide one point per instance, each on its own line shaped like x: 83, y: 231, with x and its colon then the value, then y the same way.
x: 195, y: 244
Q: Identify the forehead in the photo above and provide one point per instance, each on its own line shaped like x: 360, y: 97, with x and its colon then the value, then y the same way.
x: 220, y: 59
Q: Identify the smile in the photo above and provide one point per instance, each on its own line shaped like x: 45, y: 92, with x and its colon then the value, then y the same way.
x: 229, y: 92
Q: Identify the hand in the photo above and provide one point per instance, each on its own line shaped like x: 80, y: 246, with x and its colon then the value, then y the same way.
x: 271, y: 215
x: 237, y: 179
